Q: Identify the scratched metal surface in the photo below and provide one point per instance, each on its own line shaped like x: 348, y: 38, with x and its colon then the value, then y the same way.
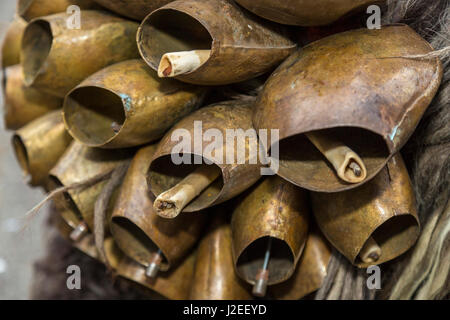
x: 18, y: 249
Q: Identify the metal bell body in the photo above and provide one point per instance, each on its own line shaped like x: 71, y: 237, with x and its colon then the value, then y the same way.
x: 12, y: 42
x: 356, y: 86
x: 174, y: 284
x: 55, y: 58
x: 78, y: 164
x: 128, y: 95
x: 272, y: 208
x: 305, y: 12
x: 139, y: 231
x: 310, y: 272
x: 383, y: 209
x: 30, y: 9
x: 134, y: 9
x: 163, y: 174
x: 23, y: 104
x: 39, y: 145
x: 242, y: 46
x: 214, y: 276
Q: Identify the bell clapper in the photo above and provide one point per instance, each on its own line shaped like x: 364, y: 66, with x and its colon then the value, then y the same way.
x: 170, y: 203
x: 262, y: 277
x: 347, y: 163
x: 173, y: 64
x: 79, y: 232
x: 371, y: 251
x: 154, y: 265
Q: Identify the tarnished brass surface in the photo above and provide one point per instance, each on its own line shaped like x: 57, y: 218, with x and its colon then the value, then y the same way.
x: 134, y: 9
x: 12, y: 42
x: 242, y: 45
x: 55, y: 59
x: 78, y: 164
x: 23, y: 104
x: 273, y: 208
x: 39, y: 145
x: 352, y: 85
x: 30, y: 9
x: 310, y: 272
x: 214, y: 277
x: 126, y: 105
x: 305, y: 12
x: 174, y: 284
x: 163, y: 174
x: 139, y: 231
x: 383, y: 208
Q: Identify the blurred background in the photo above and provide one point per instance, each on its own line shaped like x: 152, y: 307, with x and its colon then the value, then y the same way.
x: 18, y: 248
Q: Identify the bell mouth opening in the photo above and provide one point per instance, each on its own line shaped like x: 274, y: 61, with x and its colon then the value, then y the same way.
x: 133, y: 241
x: 301, y: 162
x: 36, y: 45
x: 64, y: 201
x: 165, y: 174
x: 94, y: 115
x: 20, y: 150
x: 251, y: 260
x: 171, y: 31
x: 395, y: 236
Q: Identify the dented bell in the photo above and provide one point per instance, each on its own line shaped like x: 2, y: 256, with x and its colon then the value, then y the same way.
x: 126, y: 105
x: 55, y: 58
x: 78, y: 165
x: 305, y: 12
x: 211, y: 42
x: 174, y: 284
x: 154, y: 242
x: 310, y: 272
x: 346, y: 103
x: 189, y: 173
x: 374, y: 223
x: 30, y: 9
x: 214, y: 277
x: 135, y: 9
x: 269, y: 228
x: 23, y: 104
x: 39, y: 145
x: 12, y: 42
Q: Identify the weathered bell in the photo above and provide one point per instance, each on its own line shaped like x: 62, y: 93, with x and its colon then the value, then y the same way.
x: 269, y: 229
x: 126, y: 105
x: 23, y: 104
x: 310, y: 272
x: 306, y: 12
x: 154, y: 242
x: 134, y: 9
x: 54, y: 62
x: 189, y: 173
x: 211, y: 42
x: 39, y: 145
x: 174, y: 284
x: 12, y: 42
x: 214, y: 276
x: 374, y: 223
x: 30, y: 9
x: 353, y: 97
x: 78, y: 165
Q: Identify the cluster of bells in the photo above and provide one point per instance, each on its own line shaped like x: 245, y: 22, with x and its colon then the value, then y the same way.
x: 344, y: 106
